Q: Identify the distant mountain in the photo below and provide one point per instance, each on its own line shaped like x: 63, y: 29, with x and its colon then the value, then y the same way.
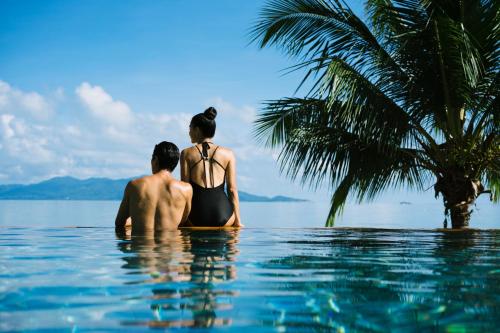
x: 66, y: 188
x: 244, y: 196
x: 69, y: 188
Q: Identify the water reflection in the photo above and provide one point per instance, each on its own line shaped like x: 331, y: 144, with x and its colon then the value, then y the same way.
x: 185, y: 270
x: 294, y: 280
x: 389, y: 281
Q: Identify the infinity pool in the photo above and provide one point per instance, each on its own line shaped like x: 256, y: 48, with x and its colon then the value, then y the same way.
x: 275, y: 280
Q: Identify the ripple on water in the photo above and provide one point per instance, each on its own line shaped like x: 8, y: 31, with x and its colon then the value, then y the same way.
x: 292, y: 280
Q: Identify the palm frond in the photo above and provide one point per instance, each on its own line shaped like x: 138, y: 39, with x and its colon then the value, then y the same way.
x: 320, y: 29
x: 410, y: 96
x: 351, y: 164
x: 316, y: 147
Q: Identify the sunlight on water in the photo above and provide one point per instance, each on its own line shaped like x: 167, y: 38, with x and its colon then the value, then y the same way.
x: 276, y: 280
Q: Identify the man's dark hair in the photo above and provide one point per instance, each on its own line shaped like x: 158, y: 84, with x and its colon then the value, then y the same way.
x: 167, y: 154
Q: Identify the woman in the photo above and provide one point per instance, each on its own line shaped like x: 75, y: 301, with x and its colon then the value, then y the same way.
x: 208, y: 167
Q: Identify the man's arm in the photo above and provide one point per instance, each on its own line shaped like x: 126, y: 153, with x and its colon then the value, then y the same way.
x: 124, y: 211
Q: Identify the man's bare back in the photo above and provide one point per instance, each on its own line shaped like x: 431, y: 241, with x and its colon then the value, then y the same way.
x: 155, y: 202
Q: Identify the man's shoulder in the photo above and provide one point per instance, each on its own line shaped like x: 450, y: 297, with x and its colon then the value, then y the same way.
x: 138, y: 183
x: 183, y: 186
x: 140, y: 180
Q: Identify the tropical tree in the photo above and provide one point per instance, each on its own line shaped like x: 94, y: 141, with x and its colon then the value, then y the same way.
x: 407, y: 99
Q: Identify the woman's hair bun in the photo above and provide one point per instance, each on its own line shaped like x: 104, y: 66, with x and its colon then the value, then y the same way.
x: 210, y: 113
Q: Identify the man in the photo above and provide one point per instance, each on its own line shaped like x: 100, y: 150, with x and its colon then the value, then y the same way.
x: 159, y: 201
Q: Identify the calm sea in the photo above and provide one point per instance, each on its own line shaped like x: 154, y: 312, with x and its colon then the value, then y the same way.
x: 486, y: 215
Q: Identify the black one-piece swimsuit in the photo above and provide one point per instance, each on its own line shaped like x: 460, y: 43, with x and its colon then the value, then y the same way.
x: 210, y: 206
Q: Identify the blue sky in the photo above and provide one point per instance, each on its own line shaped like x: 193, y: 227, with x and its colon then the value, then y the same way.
x: 88, y: 87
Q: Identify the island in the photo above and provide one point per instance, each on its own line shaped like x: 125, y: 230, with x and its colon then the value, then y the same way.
x: 70, y: 188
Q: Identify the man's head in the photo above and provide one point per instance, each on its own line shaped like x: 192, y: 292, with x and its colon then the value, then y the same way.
x: 165, y: 157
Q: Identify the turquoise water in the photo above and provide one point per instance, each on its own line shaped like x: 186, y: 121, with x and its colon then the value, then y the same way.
x: 267, y: 280
x: 266, y: 277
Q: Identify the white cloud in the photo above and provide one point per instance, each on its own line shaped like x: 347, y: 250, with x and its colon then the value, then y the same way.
x: 103, y: 106
x: 4, y: 92
x: 32, y: 101
x: 248, y: 113
x: 72, y: 130
x: 119, y: 135
x: 234, y: 129
x: 104, y: 137
x: 245, y: 113
x: 245, y: 181
x: 16, y: 101
x: 5, y: 120
x: 59, y: 94
x: 24, y: 143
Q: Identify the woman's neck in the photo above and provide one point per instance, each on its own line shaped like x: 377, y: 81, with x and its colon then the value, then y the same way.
x: 208, y: 140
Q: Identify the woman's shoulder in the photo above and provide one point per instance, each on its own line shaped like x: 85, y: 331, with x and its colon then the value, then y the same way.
x: 223, y: 149
x: 189, y: 150
x: 224, y: 152
x: 189, y: 154
x: 219, y: 150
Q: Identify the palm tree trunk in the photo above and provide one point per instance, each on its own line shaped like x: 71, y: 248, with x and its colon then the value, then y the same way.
x: 459, y: 193
x: 460, y: 216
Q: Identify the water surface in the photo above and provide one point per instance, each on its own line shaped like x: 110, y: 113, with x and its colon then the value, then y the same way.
x: 273, y: 280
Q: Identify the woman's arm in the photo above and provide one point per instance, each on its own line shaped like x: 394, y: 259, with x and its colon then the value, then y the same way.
x: 232, y: 189
x: 123, y: 215
x: 184, y: 167
x: 185, y: 177
x: 187, y: 192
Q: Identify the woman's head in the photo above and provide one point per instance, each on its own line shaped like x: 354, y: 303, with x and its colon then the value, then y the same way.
x: 203, y: 125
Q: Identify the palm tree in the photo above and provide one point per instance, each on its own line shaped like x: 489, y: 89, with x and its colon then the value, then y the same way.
x: 408, y: 99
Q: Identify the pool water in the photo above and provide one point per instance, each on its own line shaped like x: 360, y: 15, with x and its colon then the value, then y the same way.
x: 266, y: 280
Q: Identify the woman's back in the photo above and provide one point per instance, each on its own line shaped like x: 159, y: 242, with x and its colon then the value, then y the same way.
x: 209, y: 170
x: 206, y: 167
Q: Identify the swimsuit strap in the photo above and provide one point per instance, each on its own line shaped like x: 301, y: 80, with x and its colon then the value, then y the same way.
x: 219, y: 164
x: 192, y: 166
x: 204, y: 167
x: 205, y: 146
x: 199, y: 151
x: 212, y: 159
x: 212, y: 167
x: 204, y: 157
x: 215, y: 151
